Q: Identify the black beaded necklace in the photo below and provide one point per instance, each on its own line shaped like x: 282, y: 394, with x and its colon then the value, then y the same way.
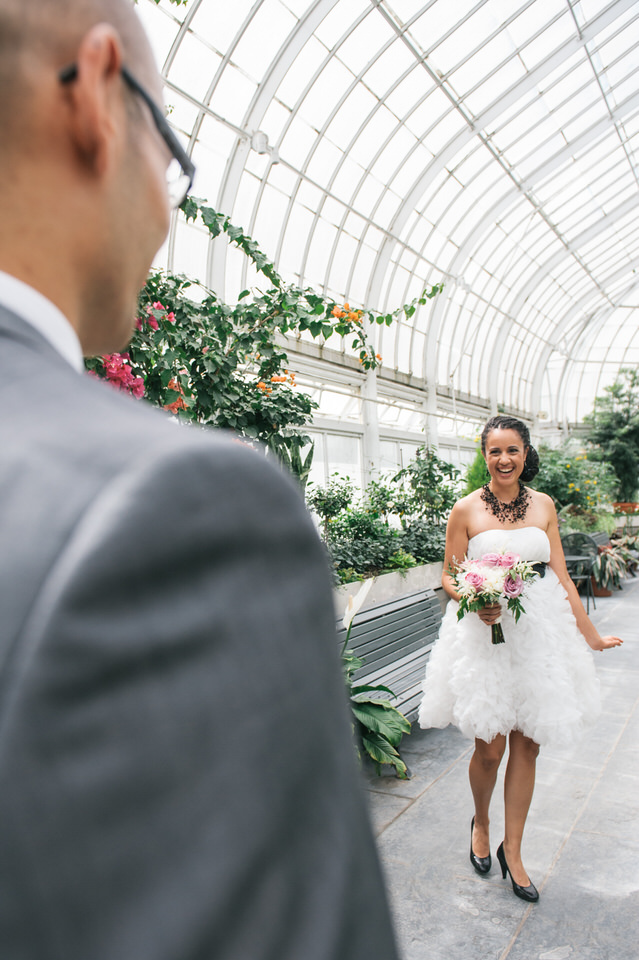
x: 511, y: 512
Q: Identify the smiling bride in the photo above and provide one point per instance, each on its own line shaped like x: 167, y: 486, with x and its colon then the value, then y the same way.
x: 539, y: 687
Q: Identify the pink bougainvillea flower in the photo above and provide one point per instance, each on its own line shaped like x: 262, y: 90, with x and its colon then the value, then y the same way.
x: 148, y: 322
x: 118, y: 373
x: 136, y: 387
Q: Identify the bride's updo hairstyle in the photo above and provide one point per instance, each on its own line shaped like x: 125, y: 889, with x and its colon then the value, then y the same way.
x: 531, y: 464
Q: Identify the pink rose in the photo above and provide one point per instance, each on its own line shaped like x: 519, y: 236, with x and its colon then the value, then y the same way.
x: 473, y: 579
x: 513, y: 586
x: 508, y: 560
x: 491, y: 559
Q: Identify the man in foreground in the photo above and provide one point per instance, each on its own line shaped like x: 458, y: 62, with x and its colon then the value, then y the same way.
x: 176, y: 772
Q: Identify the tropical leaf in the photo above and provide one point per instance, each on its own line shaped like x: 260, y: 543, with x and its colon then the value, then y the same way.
x: 380, y: 752
x: 381, y: 718
x: 361, y: 688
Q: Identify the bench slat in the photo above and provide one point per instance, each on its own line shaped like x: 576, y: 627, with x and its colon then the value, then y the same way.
x: 395, y: 639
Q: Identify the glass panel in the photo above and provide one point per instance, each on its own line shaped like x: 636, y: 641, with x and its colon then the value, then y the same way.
x: 344, y: 457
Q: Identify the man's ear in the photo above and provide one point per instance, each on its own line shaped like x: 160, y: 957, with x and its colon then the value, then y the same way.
x: 96, y: 107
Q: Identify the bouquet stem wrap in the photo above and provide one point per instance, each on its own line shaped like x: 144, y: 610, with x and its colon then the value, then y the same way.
x: 497, y: 633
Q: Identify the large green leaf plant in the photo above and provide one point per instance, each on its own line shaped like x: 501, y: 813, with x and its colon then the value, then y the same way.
x: 380, y: 725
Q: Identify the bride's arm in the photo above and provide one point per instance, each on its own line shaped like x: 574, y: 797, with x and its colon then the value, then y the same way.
x: 456, y: 550
x: 456, y: 546
x: 558, y: 565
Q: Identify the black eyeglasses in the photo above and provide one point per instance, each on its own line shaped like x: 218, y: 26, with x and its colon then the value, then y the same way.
x: 181, y: 170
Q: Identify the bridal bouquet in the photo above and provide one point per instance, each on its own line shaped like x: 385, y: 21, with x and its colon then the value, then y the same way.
x: 489, y: 579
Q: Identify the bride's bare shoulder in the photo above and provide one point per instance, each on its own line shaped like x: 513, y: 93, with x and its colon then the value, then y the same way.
x: 542, y: 500
x: 467, y: 505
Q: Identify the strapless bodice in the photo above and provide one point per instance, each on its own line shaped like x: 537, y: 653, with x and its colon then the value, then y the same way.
x: 531, y: 543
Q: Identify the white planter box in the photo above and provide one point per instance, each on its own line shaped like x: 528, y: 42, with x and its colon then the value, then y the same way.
x: 391, y: 586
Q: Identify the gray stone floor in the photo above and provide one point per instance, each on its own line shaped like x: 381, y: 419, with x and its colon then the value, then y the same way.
x: 581, y: 846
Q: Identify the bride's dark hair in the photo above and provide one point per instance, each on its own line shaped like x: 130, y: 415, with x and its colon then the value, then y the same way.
x: 531, y: 464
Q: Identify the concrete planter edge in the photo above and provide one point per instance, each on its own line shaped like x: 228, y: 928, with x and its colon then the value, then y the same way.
x: 392, y: 586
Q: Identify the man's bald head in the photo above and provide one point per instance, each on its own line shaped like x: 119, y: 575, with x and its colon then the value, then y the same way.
x: 84, y: 204
x: 37, y: 33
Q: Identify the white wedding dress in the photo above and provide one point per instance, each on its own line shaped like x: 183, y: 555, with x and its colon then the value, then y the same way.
x: 541, y: 681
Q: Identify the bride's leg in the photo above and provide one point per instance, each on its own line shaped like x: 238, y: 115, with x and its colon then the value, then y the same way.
x: 519, y: 783
x: 482, y: 773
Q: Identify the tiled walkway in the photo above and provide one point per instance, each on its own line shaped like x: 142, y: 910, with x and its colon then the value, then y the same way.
x: 581, y: 846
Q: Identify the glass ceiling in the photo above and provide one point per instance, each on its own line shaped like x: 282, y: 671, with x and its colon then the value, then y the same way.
x: 372, y: 147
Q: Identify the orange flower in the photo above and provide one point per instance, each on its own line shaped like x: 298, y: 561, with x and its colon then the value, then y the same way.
x: 278, y: 379
x: 346, y: 306
x: 178, y: 404
x: 379, y: 356
x: 261, y: 385
x: 269, y: 390
x: 336, y: 311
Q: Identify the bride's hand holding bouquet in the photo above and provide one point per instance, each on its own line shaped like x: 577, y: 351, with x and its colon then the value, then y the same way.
x: 483, y: 583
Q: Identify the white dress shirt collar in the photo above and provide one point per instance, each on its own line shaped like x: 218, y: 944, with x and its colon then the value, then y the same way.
x: 37, y: 310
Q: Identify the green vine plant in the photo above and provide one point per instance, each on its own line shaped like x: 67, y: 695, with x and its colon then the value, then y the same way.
x: 223, y: 365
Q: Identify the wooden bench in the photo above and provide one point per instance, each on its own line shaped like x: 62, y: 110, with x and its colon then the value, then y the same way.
x: 394, y: 639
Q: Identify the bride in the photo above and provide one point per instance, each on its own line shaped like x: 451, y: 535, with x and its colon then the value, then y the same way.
x: 537, y: 688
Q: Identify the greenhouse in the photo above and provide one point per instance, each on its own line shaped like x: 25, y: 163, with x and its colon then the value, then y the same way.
x: 319, y: 481
x: 376, y: 148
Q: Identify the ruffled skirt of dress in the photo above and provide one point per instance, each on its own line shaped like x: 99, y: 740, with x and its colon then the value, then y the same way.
x: 541, y: 681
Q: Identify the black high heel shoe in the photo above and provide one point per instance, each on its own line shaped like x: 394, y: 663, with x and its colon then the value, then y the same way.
x: 481, y: 864
x: 529, y: 893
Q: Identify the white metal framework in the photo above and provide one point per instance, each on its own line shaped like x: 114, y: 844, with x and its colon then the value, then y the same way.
x: 373, y: 147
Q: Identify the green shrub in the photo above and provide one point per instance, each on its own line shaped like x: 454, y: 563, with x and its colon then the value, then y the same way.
x: 477, y: 474
x: 425, y: 541
x: 396, y: 523
x: 572, y: 477
x: 401, y: 561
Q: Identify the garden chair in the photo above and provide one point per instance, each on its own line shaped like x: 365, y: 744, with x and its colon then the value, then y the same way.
x: 580, y: 551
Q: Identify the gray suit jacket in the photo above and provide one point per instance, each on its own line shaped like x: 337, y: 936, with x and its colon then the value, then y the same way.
x: 176, y: 772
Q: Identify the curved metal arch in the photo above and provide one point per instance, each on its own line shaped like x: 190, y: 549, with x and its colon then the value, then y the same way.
x: 544, y: 269
x: 549, y: 264
x: 508, y: 98
x: 323, y: 6
x: 399, y: 237
x: 577, y: 338
x: 592, y: 327
x: 216, y: 267
x: 164, y: 69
